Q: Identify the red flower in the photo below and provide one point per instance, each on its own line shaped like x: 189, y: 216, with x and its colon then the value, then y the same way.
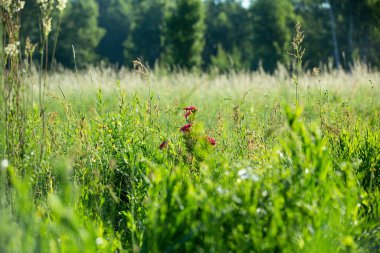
x: 211, y: 140
x: 187, y: 114
x: 163, y: 145
x: 186, y: 128
x: 191, y: 108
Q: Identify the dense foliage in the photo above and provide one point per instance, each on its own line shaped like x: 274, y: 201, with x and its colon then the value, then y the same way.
x: 183, y: 34
x: 225, y: 34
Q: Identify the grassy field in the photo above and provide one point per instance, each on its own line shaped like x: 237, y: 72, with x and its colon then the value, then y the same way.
x: 113, y: 165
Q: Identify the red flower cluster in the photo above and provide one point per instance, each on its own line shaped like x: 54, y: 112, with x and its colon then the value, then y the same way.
x: 211, y: 140
x: 187, y: 114
x: 163, y: 145
x: 186, y: 128
x: 191, y: 108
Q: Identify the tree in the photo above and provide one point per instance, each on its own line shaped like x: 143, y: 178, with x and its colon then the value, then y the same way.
x: 357, y: 38
x: 79, y: 28
x: 333, y: 34
x: 30, y: 22
x: 227, y: 35
x: 116, y: 18
x: 271, y: 22
x: 184, y: 34
x: 144, y: 39
x: 315, y: 20
x: 361, y: 36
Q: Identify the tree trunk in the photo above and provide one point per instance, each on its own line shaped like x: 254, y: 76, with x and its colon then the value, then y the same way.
x: 350, y: 35
x: 334, y: 37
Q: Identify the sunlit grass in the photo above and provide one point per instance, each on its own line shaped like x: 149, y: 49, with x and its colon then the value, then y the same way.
x: 274, y: 180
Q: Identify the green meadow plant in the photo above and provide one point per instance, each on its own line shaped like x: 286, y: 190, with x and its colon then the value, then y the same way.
x: 197, y: 144
x: 298, y: 53
x: 288, y: 206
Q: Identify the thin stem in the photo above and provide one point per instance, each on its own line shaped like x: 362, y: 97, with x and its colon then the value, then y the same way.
x: 56, y: 41
x: 43, y: 94
x: 75, y: 62
x: 40, y: 74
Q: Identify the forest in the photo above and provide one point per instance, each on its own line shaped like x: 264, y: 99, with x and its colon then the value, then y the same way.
x: 211, y: 34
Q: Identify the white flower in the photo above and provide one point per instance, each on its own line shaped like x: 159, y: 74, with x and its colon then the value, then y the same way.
x: 61, y: 5
x: 46, y: 23
x: 248, y: 174
x: 19, y: 6
x: 4, y: 164
x: 280, y: 154
x: 243, y: 174
x: 12, y: 49
x: 255, y: 178
x: 260, y: 211
x: 44, y: 5
x: 220, y: 190
x: 42, y: 2
x: 6, y: 4
x: 99, y: 241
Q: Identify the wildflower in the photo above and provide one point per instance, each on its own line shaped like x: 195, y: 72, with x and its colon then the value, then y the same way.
x: 61, y: 5
x: 163, y: 145
x: 243, y: 174
x: 186, y: 128
x: 99, y: 241
x: 19, y: 6
x: 187, y: 114
x: 29, y: 47
x: 4, y: 164
x: 46, y: 24
x: 316, y: 72
x: 45, y: 6
x: 247, y: 173
x: 12, y: 6
x: 43, y: 3
x: 12, y: 49
x: 191, y: 108
x: 6, y: 4
x: 211, y: 140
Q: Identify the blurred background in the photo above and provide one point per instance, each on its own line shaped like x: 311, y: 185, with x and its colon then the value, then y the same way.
x: 210, y: 34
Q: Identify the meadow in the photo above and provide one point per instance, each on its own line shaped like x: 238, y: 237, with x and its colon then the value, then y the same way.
x: 148, y: 161
x: 98, y: 159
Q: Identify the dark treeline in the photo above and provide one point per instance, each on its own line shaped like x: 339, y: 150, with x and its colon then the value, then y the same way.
x: 208, y: 34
